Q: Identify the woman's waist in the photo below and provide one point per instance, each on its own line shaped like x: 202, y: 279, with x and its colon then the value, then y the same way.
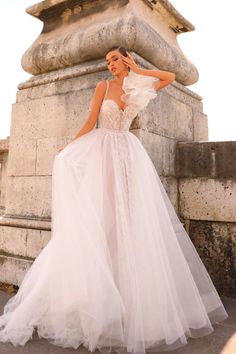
x: 114, y: 130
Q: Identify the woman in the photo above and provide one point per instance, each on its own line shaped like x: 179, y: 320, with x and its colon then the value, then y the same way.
x: 120, y: 272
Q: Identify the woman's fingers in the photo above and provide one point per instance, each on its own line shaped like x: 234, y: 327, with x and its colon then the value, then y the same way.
x: 125, y: 60
x: 128, y: 60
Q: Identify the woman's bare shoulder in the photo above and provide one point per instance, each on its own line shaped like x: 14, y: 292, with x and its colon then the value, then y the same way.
x: 100, y: 89
x: 101, y: 85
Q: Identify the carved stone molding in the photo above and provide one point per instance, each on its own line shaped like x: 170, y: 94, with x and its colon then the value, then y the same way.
x: 78, y: 31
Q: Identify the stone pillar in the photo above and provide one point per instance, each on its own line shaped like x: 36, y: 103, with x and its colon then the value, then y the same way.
x: 66, y: 61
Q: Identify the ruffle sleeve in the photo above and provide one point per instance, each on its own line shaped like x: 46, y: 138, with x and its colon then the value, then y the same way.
x: 139, y: 90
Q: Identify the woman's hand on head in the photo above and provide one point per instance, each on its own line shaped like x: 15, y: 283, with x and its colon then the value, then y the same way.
x: 129, y: 61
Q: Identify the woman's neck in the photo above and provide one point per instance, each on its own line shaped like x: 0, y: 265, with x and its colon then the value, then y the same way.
x: 120, y: 78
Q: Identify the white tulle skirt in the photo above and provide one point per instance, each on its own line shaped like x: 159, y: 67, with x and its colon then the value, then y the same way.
x: 119, y: 273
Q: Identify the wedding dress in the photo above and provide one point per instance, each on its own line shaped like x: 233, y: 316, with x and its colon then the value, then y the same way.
x: 119, y: 273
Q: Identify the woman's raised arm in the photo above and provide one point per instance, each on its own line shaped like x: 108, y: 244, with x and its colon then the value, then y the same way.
x: 165, y: 77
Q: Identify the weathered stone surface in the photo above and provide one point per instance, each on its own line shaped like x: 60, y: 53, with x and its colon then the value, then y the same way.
x: 38, y: 155
x: 53, y: 120
x: 151, y: 33
x: 27, y: 148
x: 207, y: 202
x: 27, y: 223
x: 216, y: 245
x: 29, y: 196
x: 200, y: 126
x: 3, y: 175
x: 208, y: 199
x: 185, y: 95
x: 4, y: 144
x: 47, y: 149
x: 22, y: 242
x: 50, y: 116
x: 206, y: 159
x: 13, y: 270
x: 161, y: 150
x: 77, y: 78
x: 170, y: 118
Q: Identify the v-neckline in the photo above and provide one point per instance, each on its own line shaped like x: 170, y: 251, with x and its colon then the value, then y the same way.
x: 120, y: 109
x: 108, y: 99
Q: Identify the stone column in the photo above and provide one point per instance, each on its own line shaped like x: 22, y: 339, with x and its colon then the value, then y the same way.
x: 66, y: 61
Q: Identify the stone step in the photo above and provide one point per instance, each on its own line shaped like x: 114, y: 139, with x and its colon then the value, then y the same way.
x: 13, y: 269
x: 23, y: 242
x: 19, y: 245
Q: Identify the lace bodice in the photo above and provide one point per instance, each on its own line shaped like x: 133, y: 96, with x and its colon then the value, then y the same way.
x: 112, y: 117
x: 138, y: 90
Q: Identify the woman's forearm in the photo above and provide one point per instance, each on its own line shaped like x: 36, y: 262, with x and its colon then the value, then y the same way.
x: 160, y: 74
x: 87, y: 127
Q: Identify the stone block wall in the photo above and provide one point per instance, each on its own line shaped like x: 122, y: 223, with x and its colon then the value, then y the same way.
x: 4, y: 145
x: 206, y: 174
x: 175, y: 115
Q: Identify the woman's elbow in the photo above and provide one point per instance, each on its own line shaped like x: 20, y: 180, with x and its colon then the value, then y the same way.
x: 172, y: 77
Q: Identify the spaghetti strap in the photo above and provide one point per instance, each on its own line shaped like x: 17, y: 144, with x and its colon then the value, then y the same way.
x: 107, y: 81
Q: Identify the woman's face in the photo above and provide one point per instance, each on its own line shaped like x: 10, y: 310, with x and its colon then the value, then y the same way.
x: 115, y: 62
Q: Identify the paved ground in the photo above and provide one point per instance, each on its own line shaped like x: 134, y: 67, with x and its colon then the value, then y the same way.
x: 221, y: 341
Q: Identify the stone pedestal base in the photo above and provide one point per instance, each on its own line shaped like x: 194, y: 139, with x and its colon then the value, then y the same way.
x: 21, y: 240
